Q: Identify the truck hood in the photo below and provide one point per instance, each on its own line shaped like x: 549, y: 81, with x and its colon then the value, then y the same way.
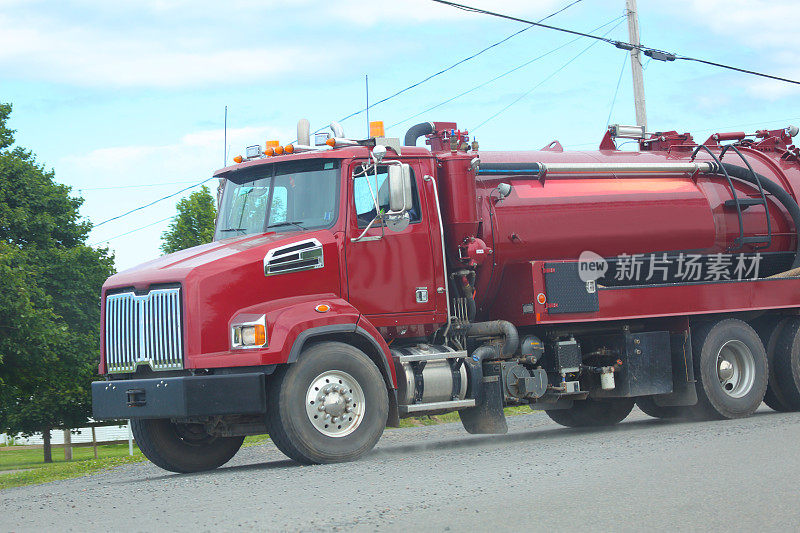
x: 177, y: 266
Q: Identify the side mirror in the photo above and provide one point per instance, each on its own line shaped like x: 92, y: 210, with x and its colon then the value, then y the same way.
x: 400, y: 188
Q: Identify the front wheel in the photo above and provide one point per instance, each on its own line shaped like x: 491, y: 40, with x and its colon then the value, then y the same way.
x: 330, y: 406
x: 593, y: 413
x: 182, y: 447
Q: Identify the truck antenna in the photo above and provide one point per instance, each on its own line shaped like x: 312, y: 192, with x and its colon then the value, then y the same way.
x: 225, y: 140
x: 366, y: 82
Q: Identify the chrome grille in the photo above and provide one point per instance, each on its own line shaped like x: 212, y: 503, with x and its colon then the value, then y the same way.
x: 144, y: 329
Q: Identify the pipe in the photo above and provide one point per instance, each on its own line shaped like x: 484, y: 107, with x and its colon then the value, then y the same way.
x: 775, y: 190
x: 496, y: 328
x: 417, y: 131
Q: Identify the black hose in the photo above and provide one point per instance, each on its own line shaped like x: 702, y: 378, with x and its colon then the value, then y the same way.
x: 496, y: 328
x: 486, y: 351
x: 775, y: 190
x: 415, y: 132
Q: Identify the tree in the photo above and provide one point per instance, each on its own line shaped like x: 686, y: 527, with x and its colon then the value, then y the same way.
x: 194, y: 224
x: 49, y: 298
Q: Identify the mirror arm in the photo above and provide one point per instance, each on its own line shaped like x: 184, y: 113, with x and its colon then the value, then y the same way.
x: 369, y: 227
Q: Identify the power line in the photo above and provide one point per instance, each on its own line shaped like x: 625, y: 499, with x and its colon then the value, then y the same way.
x: 559, y: 69
x: 114, y: 187
x: 616, y: 91
x: 506, y: 73
x: 454, y: 65
x: 654, y: 53
x: 153, y: 202
x: 133, y: 230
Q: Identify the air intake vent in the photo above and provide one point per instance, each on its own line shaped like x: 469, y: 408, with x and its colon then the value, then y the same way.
x: 303, y: 255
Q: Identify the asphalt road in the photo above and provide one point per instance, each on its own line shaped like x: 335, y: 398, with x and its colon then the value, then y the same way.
x: 644, y: 474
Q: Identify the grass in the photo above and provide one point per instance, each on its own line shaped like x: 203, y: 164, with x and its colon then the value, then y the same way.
x: 35, y: 471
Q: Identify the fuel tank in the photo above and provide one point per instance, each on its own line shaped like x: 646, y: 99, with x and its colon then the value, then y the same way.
x: 557, y: 216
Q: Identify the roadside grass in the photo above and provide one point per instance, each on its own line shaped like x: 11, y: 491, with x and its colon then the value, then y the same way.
x: 33, y: 469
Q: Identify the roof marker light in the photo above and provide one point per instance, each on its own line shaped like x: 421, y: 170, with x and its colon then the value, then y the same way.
x: 288, y: 149
x: 376, y: 129
x: 238, y: 159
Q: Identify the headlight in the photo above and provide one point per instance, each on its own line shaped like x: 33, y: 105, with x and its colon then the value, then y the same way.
x: 249, y: 334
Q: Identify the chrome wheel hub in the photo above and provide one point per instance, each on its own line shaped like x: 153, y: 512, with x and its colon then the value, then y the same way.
x: 736, y: 368
x: 335, y: 403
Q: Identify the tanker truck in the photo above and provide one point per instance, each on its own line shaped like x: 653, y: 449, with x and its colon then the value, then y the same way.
x: 355, y: 282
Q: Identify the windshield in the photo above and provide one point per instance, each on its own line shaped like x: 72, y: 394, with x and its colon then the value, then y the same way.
x: 292, y: 196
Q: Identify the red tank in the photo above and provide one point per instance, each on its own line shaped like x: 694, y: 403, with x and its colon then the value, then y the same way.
x: 556, y: 216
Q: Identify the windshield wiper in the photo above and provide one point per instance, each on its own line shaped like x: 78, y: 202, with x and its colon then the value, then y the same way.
x: 287, y: 223
x: 233, y: 229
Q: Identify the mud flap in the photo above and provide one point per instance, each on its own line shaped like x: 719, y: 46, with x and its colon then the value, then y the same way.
x: 487, y: 417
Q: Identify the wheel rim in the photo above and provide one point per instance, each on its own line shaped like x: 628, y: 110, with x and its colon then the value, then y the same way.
x: 736, y: 368
x: 335, y: 403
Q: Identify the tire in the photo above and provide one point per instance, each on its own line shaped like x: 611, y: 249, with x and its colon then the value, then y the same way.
x: 593, y: 413
x: 785, y: 372
x: 649, y: 407
x: 770, y: 333
x: 306, y: 404
x: 730, y: 366
x: 182, y: 448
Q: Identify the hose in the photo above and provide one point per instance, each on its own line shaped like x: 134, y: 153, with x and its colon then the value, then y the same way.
x: 775, y: 190
x: 495, y: 328
x: 417, y: 131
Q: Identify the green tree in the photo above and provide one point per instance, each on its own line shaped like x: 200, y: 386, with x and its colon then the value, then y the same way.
x: 194, y: 223
x: 49, y: 298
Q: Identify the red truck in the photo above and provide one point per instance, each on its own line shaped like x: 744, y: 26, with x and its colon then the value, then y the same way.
x: 352, y: 283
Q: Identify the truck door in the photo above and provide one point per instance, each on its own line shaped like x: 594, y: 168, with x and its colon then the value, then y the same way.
x: 391, y: 274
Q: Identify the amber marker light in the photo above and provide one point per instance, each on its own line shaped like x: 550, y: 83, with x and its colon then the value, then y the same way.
x: 331, y: 142
x: 238, y: 159
x: 269, y: 151
x: 260, y: 335
x: 279, y: 150
x: 376, y: 129
x: 288, y: 149
x: 322, y: 308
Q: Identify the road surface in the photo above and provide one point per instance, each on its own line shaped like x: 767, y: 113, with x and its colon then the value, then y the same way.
x: 644, y: 474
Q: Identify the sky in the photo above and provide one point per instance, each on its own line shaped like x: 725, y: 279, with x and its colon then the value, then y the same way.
x: 125, y: 100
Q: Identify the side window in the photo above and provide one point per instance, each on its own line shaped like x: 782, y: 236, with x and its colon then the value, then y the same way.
x: 365, y: 205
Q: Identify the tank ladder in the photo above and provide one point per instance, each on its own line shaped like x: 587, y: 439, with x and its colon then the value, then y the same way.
x: 759, y: 242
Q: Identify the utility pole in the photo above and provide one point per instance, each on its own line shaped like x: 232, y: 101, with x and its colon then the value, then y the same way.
x: 636, y: 64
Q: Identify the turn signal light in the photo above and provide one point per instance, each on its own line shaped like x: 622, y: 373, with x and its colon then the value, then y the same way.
x: 376, y: 129
x: 238, y: 159
x: 289, y: 149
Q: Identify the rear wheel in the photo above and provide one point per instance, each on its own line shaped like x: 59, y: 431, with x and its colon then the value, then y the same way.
x: 730, y: 368
x: 593, y: 413
x: 330, y: 406
x: 785, y: 374
x: 182, y: 447
x: 770, y: 332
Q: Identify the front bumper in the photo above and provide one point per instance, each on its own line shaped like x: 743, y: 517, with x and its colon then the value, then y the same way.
x: 179, y: 397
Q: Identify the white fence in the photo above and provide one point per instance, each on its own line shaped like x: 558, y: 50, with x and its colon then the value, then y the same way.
x: 104, y: 433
